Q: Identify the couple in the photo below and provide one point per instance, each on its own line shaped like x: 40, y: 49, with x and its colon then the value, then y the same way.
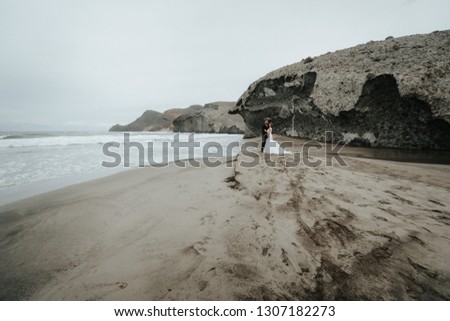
x: 269, y: 145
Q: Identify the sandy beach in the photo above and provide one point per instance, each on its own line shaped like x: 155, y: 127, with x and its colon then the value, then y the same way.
x: 374, y: 230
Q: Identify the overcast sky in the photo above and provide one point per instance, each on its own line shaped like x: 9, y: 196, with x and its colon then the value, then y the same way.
x: 89, y: 64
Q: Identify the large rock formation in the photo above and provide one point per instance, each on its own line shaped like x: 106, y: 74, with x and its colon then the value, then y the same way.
x: 393, y: 93
x: 213, y: 118
x: 155, y: 121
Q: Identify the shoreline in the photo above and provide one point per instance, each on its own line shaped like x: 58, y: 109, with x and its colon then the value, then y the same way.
x: 375, y: 230
x: 68, y: 158
x: 437, y: 157
x: 19, y: 193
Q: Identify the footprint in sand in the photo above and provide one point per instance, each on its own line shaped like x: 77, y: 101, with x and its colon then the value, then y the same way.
x: 381, y: 252
x: 416, y: 239
x: 399, y: 198
x: 112, y: 286
x: 199, y: 247
x: 202, y: 285
x: 442, y: 219
x: 436, y: 202
x: 210, y: 218
x: 423, y: 270
x: 285, y: 257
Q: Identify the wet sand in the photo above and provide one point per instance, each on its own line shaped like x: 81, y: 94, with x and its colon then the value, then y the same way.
x: 376, y: 230
x: 381, y: 153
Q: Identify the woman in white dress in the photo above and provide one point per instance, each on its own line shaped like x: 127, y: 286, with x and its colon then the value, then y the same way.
x: 272, y: 147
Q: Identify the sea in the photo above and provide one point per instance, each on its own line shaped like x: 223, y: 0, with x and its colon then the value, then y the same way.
x: 36, y: 162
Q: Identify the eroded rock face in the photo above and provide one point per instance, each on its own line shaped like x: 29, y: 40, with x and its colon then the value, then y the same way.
x: 213, y: 118
x: 392, y: 93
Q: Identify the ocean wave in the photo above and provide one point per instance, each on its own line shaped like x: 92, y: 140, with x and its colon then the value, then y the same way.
x: 18, y: 140
x: 38, y: 140
x: 12, y: 137
x: 26, y: 135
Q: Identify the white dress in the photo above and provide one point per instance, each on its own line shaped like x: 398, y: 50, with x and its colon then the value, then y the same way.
x: 272, y: 147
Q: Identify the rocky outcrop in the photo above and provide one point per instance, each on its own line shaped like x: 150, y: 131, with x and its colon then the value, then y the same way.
x: 155, y: 121
x: 392, y: 93
x: 173, y: 113
x: 213, y: 118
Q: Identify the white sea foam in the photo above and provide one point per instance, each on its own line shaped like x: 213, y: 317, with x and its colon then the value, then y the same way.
x: 65, y: 140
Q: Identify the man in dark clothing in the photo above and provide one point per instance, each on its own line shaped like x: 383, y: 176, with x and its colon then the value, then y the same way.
x: 264, y: 128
